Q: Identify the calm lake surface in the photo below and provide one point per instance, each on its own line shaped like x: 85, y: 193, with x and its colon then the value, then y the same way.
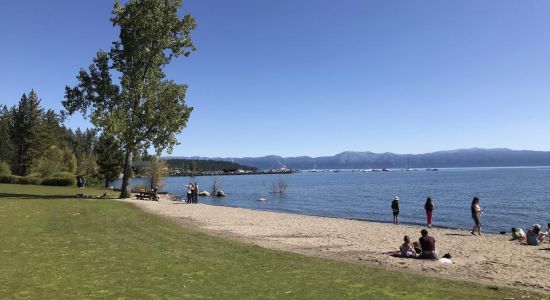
x: 516, y: 197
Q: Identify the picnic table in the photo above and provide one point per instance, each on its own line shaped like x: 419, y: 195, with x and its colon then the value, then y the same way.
x: 147, y: 195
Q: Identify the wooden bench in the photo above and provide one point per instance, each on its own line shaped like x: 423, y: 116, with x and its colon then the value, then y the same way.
x: 145, y: 195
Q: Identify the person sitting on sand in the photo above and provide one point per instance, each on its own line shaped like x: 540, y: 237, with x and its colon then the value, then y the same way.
x: 417, y: 248
x: 407, y: 249
x: 518, y: 234
x: 534, y: 236
x: 427, y: 243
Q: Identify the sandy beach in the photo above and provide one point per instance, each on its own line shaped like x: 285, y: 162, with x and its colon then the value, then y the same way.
x: 489, y: 258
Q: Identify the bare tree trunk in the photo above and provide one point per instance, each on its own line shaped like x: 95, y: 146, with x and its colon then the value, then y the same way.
x: 125, y: 189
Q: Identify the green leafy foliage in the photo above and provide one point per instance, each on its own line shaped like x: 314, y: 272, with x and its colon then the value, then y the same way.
x: 156, y: 172
x: 4, y: 169
x: 14, y: 179
x: 55, y: 160
x: 109, y: 158
x: 60, y: 179
x: 143, y: 109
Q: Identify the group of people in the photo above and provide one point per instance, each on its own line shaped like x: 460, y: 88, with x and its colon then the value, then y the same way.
x: 429, y: 207
x: 81, y: 181
x: 192, y: 192
x: 534, y: 235
x: 424, y: 248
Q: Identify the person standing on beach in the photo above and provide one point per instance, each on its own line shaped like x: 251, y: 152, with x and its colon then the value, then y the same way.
x: 190, y: 193
x: 195, y: 193
x: 429, y: 208
x: 476, y: 215
x: 395, y: 209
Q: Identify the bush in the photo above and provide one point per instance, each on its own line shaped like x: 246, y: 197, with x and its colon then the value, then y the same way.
x: 4, y: 169
x: 14, y: 179
x: 63, y: 175
x: 137, y: 188
x: 60, y: 179
x: 8, y: 179
x: 92, y: 180
x: 30, y: 180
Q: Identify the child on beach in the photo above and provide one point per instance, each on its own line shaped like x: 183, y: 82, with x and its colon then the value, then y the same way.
x: 518, y: 234
x: 417, y: 248
x: 407, y: 249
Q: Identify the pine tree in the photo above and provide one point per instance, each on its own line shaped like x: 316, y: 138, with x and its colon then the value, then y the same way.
x: 25, y: 133
x: 109, y: 158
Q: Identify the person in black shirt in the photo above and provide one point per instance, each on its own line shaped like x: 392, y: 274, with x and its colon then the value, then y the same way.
x: 395, y: 209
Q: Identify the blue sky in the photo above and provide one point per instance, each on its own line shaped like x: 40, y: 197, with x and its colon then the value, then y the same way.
x: 318, y: 77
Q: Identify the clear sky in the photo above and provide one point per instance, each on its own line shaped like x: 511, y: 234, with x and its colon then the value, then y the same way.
x: 314, y: 77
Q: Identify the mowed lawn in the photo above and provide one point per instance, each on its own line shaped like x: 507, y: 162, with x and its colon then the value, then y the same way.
x: 55, y: 246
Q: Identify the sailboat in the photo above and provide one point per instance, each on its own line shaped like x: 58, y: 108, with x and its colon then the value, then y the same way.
x: 313, y: 170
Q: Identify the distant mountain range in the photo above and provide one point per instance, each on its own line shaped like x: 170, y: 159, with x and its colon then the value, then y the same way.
x: 474, y: 157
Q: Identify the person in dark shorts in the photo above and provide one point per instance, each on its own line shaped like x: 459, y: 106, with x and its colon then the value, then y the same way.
x: 427, y: 243
x: 395, y: 209
x: 429, y: 208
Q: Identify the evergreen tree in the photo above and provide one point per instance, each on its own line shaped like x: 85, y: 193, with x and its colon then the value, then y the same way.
x: 6, y: 145
x: 109, y: 158
x: 25, y: 133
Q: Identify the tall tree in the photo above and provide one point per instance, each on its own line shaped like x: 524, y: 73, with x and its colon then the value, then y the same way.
x: 6, y: 146
x: 144, y: 109
x: 109, y: 158
x: 27, y: 118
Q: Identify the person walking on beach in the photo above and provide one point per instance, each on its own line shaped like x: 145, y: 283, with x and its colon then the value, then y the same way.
x: 476, y: 215
x: 190, y: 193
x: 429, y: 208
x: 395, y: 209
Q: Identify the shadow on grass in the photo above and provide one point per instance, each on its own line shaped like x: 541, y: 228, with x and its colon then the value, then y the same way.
x: 34, y: 196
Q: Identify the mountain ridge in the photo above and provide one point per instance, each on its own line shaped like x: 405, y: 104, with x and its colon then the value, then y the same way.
x: 468, y: 157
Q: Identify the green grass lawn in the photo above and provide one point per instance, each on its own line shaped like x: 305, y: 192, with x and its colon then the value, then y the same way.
x: 55, y: 246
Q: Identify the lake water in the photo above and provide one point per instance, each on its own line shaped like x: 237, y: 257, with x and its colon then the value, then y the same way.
x: 511, y: 196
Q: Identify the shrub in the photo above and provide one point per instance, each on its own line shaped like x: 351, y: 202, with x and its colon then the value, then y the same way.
x: 14, y: 179
x: 8, y: 179
x: 62, y: 175
x: 137, y: 188
x: 60, y: 179
x: 92, y: 180
x: 30, y: 180
x: 4, y: 169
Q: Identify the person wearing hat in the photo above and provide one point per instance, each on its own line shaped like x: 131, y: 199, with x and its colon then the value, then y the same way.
x: 395, y: 209
x: 534, y: 236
